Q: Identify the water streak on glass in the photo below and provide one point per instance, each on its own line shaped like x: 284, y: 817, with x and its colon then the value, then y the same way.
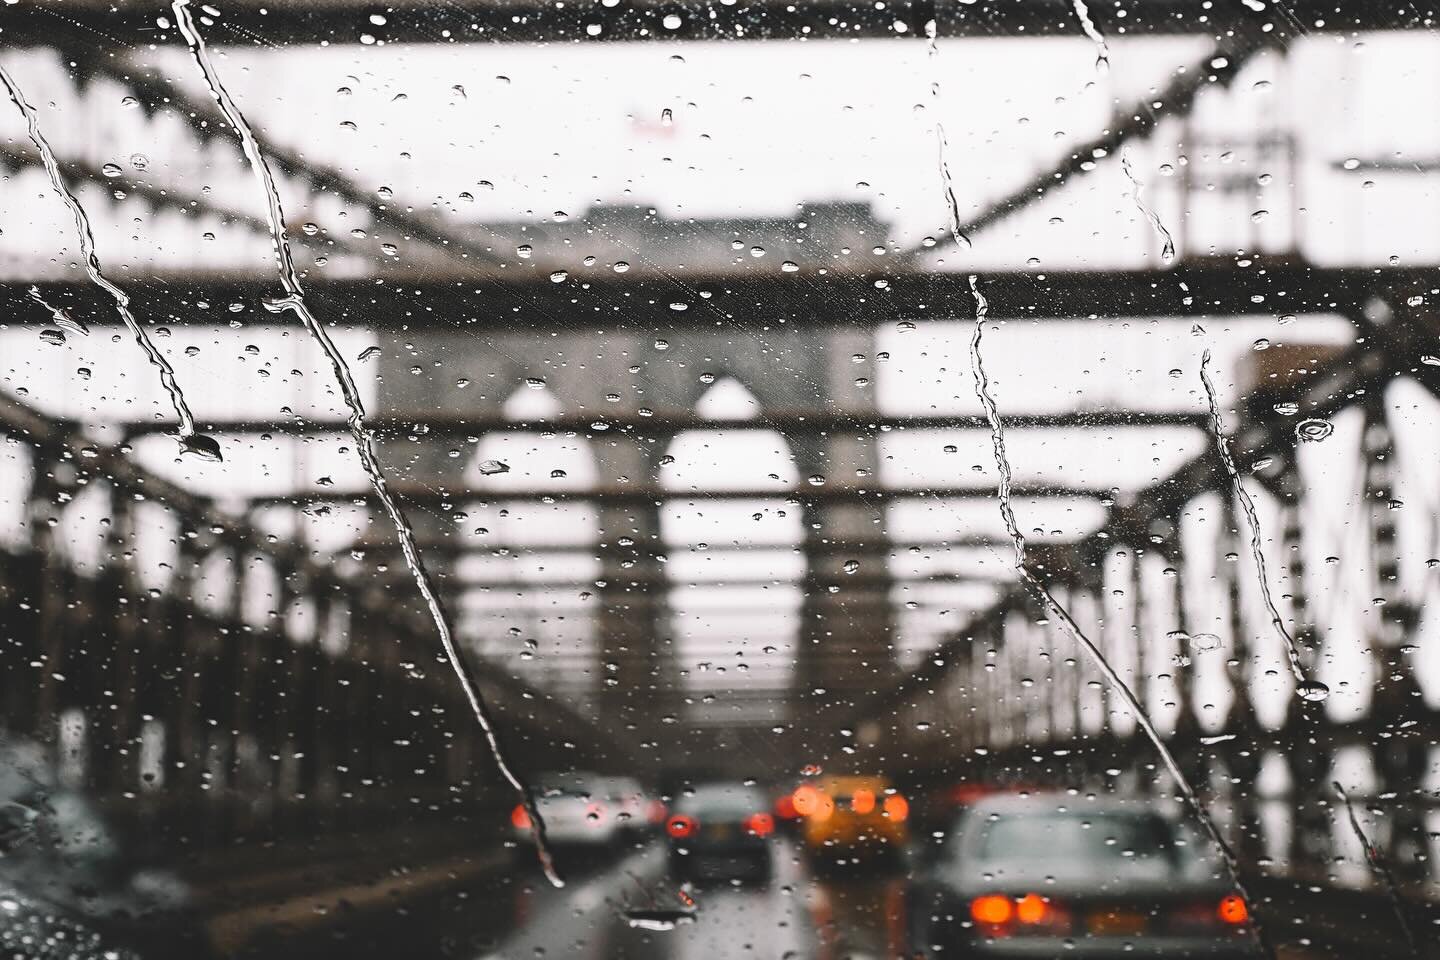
x: 1305, y: 687
x: 1097, y: 657
x: 1102, y: 49
x: 1381, y: 871
x: 190, y: 441
x: 1167, y: 248
x: 294, y: 301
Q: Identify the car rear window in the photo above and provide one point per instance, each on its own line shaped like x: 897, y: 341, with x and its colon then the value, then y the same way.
x: 1075, y: 836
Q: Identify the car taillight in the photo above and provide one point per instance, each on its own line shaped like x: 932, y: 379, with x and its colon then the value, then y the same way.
x: 992, y: 910
x: 760, y: 824
x: 520, y: 817
x: 806, y: 799
x: 680, y: 826
x: 785, y: 807
x: 897, y: 808
x: 1002, y: 916
x: 862, y: 801
x: 1232, y: 910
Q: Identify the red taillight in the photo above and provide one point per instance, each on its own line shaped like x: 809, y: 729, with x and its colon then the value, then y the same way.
x: 656, y: 812
x: 520, y: 817
x: 897, y: 808
x: 1028, y: 915
x: 992, y: 909
x: 680, y: 826
x: 1232, y: 910
x: 760, y: 824
x: 1031, y: 909
x: 785, y: 807
x: 862, y: 801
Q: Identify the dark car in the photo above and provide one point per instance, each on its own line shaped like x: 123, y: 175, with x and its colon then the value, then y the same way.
x: 1057, y: 875
x: 721, y: 831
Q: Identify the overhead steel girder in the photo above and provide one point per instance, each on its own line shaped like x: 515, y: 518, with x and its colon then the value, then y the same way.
x: 448, y: 426
x: 311, y: 22
x: 427, y: 497
x: 833, y: 546
x: 760, y: 300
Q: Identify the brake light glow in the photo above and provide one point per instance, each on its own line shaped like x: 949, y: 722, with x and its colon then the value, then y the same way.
x: 992, y: 909
x: 897, y: 808
x: 760, y: 824
x: 785, y: 807
x: 520, y: 817
x: 681, y: 826
x: 1031, y: 909
x: 806, y: 799
x: 1232, y: 910
x: 862, y: 801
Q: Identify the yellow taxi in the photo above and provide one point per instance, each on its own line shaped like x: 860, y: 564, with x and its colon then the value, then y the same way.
x: 851, y: 813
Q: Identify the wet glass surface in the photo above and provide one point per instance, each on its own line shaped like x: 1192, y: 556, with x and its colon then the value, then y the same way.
x: 641, y: 479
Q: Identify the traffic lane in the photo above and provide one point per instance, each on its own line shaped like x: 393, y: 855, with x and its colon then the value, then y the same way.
x: 795, y: 915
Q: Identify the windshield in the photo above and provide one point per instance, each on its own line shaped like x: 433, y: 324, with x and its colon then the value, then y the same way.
x: 504, y: 479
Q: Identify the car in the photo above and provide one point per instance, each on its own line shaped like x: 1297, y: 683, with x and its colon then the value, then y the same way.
x: 635, y: 811
x: 852, y: 818
x: 577, y: 811
x: 1058, y: 875
x: 721, y: 831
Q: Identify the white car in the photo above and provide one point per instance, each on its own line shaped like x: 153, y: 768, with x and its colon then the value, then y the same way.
x: 577, y: 810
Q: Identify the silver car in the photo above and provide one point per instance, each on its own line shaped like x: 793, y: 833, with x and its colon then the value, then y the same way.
x: 1058, y: 875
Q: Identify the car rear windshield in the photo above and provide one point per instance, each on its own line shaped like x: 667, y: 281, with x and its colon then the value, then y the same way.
x: 721, y: 803
x: 1076, y: 836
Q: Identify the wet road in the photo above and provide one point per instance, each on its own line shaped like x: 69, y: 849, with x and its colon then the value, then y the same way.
x: 516, y: 915
x: 795, y: 915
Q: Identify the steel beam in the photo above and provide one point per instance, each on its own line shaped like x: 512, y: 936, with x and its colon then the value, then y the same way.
x: 762, y: 301
x: 295, y: 22
x: 427, y: 497
x: 447, y: 426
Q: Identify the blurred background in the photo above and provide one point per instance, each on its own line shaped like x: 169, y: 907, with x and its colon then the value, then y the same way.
x: 661, y: 317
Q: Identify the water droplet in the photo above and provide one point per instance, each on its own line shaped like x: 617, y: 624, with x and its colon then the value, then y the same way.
x: 203, y: 446
x: 671, y: 22
x: 1204, y: 642
x: 851, y: 566
x: 1287, y: 408
x: 535, y: 383
x: 524, y: 251
x: 111, y: 170
x: 1314, y: 430
x: 1313, y: 691
x: 679, y: 307
x: 621, y: 266
x: 789, y: 266
x: 139, y: 161
x: 369, y: 353
x: 662, y: 344
x: 557, y: 474
x: 559, y: 276
x: 816, y: 479
x: 1259, y: 215
x: 491, y: 467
